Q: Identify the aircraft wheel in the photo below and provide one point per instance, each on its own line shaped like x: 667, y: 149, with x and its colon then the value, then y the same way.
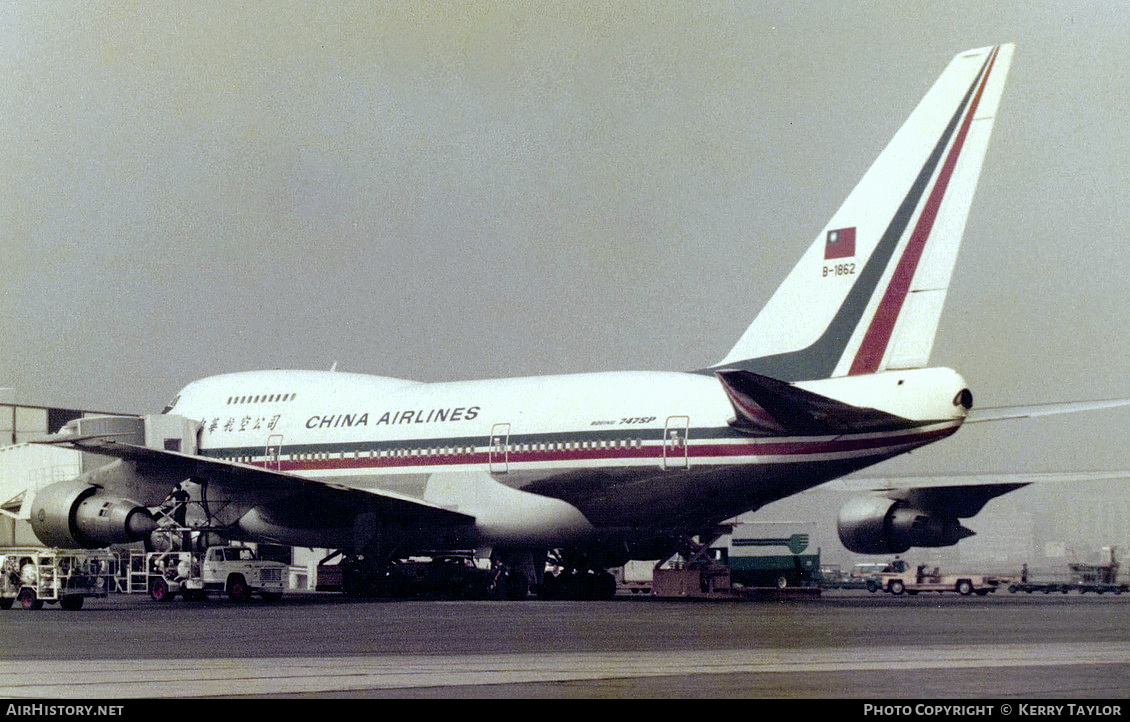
x: 238, y: 591
x: 579, y: 585
x: 28, y: 600
x: 605, y: 586
x: 72, y: 602
x: 517, y: 586
x: 551, y: 587
x: 159, y: 590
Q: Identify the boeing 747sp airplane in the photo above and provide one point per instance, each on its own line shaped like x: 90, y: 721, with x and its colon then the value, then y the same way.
x: 831, y: 377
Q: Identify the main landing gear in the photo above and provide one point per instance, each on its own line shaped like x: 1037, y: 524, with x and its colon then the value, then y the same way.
x: 507, y: 575
x: 575, y: 577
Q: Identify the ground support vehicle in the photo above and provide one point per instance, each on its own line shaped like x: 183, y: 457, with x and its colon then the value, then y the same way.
x: 769, y: 554
x: 32, y: 577
x: 460, y: 574
x: 329, y: 574
x: 635, y: 577
x: 1097, y: 578
x: 451, y: 575
x: 921, y: 579
x: 1067, y: 587
x: 742, y: 561
x: 863, y: 575
x: 230, y: 570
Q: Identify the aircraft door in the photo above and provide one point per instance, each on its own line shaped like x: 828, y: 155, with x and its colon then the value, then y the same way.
x: 675, y: 442
x: 274, y: 452
x: 499, y: 449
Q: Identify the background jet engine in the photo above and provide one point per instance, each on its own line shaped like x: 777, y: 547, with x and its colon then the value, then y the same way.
x: 876, y: 525
x: 74, y: 514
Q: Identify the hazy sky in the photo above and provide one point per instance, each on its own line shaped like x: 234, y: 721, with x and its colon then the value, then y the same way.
x: 446, y: 191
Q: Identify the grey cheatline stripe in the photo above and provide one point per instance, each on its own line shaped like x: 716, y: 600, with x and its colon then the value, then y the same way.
x: 819, y: 360
x: 703, y: 443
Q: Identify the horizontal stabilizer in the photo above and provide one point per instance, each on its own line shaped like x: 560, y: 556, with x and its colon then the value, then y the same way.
x: 888, y: 484
x: 767, y: 405
x: 1004, y: 413
x: 962, y: 495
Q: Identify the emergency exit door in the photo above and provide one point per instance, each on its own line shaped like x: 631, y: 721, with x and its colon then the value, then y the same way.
x: 675, y: 442
x: 274, y: 452
x: 499, y: 448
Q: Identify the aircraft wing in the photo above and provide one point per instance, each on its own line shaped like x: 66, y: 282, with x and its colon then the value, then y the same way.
x: 963, y: 495
x: 249, y: 478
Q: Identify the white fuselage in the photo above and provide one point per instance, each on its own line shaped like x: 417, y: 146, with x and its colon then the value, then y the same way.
x: 629, y: 451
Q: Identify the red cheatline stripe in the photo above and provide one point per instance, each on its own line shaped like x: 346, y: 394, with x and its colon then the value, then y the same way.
x: 879, y: 332
x: 753, y: 448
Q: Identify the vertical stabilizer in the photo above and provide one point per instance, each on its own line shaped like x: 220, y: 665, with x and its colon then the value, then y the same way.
x: 868, y: 293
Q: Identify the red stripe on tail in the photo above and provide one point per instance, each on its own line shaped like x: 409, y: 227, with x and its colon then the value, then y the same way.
x: 878, y: 335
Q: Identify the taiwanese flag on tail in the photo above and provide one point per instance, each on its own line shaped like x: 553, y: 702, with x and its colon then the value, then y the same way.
x: 840, y: 243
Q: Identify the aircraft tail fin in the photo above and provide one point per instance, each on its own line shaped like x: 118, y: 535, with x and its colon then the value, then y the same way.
x: 868, y: 293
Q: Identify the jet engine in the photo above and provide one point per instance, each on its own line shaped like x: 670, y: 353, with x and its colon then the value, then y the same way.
x: 74, y: 514
x: 876, y: 525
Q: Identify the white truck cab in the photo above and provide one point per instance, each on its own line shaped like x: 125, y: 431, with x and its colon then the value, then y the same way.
x: 231, y: 570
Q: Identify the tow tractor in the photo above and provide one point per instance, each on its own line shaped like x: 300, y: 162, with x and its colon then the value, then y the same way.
x: 231, y: 570
x: 33, y: 576
x: 921, y: 579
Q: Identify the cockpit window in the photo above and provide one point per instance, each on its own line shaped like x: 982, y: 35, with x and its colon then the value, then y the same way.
x: 171, y: 404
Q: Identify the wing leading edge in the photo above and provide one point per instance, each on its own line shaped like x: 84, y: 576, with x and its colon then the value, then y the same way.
x: 252, y: 479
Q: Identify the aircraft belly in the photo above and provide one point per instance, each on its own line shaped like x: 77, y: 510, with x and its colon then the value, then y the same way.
x: 288, y: 526
x: 407, y: 484
x: 504, y: 514
x: 689, y: 499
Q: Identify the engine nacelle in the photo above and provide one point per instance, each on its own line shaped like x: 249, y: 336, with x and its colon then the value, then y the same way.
x: 74, y: 514
x: 875, y: 525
